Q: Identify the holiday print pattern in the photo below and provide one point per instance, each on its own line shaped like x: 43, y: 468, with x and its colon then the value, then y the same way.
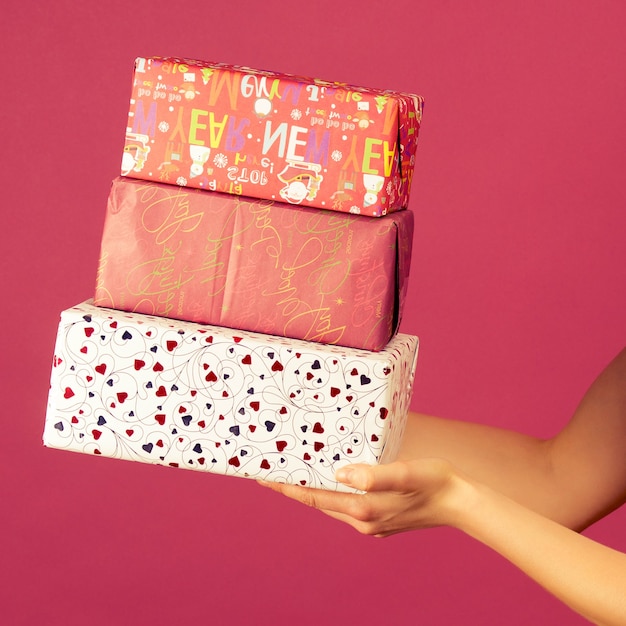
x: 267, y: 135
x: 208, y: 398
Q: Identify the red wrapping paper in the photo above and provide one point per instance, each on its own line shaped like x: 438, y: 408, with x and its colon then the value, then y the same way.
x: 268, y: 135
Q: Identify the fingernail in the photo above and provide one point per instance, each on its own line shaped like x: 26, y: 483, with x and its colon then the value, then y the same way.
x: 343, y: 475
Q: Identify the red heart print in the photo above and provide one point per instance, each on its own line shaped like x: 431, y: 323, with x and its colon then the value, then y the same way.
x: 96, y: 434
x: 88, y: 331
x: 157, y: 367
x: 139, y: 363
x: 101, y: 368
x: 121, y: 396
x: 171, y: 344
x: 130, y: 432
x: 255, y: 405
x: 281, y: 445
x: 84, y: 349
x: 265, y: 464
x: 211, y: 377
x: 334, y: 391
x: 160, y: 417
x: 234, y: 461
x: 160, y: 392
x: 247, y: 360
x: 68, y: 393
x: 318, y: 428
x: 277, y: 367
x: 318, y: 445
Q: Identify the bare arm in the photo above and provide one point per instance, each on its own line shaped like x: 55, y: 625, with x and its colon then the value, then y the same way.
x: 585, y: 575
x: 575, y: 478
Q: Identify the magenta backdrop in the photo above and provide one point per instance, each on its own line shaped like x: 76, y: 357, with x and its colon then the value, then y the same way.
x: 518, y: 292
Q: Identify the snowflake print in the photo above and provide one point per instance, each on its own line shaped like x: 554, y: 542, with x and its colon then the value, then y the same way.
x: 182, y: 181
x: 355, y: 209
x: 336, y: 155
x: 164, y: 127
x: 220, y: 160
x: 296, y: 114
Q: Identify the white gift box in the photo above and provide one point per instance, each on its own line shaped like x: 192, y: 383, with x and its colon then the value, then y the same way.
x: 214, y: 399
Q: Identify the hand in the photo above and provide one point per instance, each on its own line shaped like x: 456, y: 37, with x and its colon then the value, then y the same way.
x: 399, y: 496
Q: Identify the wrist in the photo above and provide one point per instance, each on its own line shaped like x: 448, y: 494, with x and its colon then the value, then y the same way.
x: 459, y: 500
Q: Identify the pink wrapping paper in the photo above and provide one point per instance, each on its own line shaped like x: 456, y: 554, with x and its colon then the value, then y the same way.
x: 254, y: 264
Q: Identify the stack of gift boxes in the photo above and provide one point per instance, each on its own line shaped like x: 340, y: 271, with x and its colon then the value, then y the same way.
x: 252, y: 275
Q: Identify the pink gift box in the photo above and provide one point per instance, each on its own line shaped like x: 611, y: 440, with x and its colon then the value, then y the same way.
x: 269, y: 135
x: 254, y: 264
x: 207, y: 398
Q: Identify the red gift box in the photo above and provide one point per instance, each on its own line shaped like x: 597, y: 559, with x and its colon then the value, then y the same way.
x: 268, y: 135
x: 254, y: 264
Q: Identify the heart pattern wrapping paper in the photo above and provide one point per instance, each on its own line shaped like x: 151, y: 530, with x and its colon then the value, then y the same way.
x: 213, y: 399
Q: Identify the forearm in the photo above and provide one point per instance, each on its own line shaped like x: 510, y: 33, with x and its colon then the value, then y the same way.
x: 589, y: 577
x: 512, y: 463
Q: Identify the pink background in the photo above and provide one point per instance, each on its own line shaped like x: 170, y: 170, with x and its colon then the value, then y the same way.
x: 517, y: 293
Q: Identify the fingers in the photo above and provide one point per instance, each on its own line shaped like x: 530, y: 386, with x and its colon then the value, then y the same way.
x: 354, y: 509
x: 328, y: 501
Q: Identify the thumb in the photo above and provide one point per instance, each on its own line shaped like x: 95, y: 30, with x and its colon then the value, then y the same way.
x: 386, y: 477
x: 359, y: 476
